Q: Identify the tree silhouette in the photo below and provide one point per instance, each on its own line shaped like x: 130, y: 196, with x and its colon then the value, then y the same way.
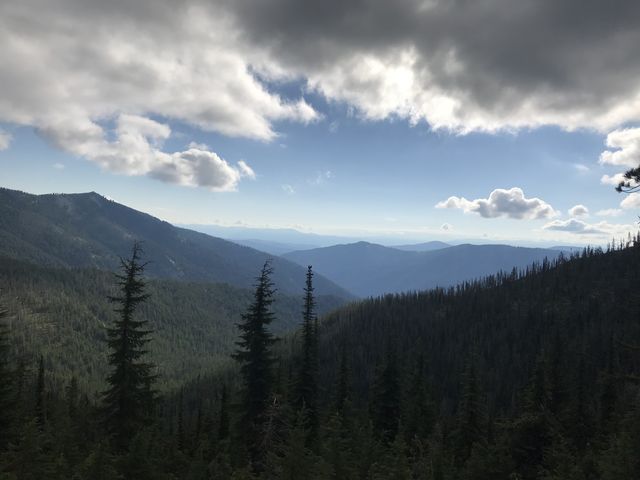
x: 129, y: 396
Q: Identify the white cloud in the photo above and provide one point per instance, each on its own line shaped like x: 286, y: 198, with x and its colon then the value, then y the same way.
x: 5, y: 139
x: 581, y: 168
x: 578, y: 211
x: 246, y: 170
x: 609, y: 212
x: 58, y: 166
x: 446, y: 227
x: 579, y: 227
x: 612, y: 179
x: 78, y: 65
x: 624, y: 147
x: 288, y: 189
x: 631, y: 201
x: 137, y: 150
x: 502, y: 203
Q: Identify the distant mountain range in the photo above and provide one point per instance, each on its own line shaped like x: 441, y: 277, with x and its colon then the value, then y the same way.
x: 423, y: 247
x: 368, y: 269
x: 88, y: 230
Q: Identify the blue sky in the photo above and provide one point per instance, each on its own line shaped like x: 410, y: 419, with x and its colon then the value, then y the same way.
x: 366, y: 145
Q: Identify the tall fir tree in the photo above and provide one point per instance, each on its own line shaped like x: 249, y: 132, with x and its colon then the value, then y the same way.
x: 40, y: 413
x: 386, y: 400
x: 128, y: 400
x: 256, y: 365
x: 6, y: 383
x: 306, y: 391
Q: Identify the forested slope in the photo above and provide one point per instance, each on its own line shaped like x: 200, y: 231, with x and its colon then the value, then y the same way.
x: 87, y: 230
x: 63, y: 313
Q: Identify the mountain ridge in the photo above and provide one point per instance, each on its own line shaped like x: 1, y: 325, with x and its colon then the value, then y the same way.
x: 89, y: 230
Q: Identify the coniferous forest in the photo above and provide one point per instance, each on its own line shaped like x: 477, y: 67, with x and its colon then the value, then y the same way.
x: 529, y: 374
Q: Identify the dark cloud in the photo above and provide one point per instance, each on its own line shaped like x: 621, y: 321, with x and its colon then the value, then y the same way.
x: 522, y: 63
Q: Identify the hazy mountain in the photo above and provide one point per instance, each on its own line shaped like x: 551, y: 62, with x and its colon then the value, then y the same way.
x: 369, y: 269
x: 88, y: 230
x: 423, y: 247
x: 274, y: 248
x: 286, y: 236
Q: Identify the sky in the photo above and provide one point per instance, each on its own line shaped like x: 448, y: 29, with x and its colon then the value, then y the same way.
x: 413, y: 120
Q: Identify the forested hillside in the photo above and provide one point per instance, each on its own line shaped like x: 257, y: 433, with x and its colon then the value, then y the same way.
x: 524, y: 375
x: 88, y: 230
x: 62, y: 314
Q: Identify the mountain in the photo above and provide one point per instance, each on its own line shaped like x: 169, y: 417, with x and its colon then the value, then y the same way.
x: 423, y: 247
x: 367, y: 269
x: 273, y: 248
x: 62, y: 314
x: 88, y: 230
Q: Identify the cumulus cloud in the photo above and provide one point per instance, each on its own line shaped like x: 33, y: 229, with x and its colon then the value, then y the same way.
x: 136, y: 149
x: 502, y: 203
x: 612, y: 179
x: 71, y: 68
x: 578, y: 211
x: 460, y: 66
x: 624, y: 148
x: 5, y: 139
x: 631, y: 201
x: 579, y: 227
x: 216, y: 64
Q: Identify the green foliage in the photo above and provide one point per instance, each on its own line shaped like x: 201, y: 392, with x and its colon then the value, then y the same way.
x: 128, y: 401
x: 62, y: 315
x: 256, y: 365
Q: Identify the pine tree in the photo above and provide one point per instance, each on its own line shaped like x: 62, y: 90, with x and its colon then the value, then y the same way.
x: 256, y: 365
x: 223, y: 417
x: 40, y: 413
x: 306, y: 394
x: 342, y: 387
x: 6, y: 384
x: 385, y: 404
x: 128, y: 400
x: 471, y: 414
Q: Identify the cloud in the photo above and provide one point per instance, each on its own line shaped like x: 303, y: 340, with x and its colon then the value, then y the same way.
x: 446, y: 227
x: 136, y: 149
x: 581, y: 168
x: 502, y: 203
x: 631, y: 201
x: 612, y: 179
x: 5, y: 139
x: 58, y: 166
x: 246, y: 170
x: 288, y: 189
x: 609, y: 212
x: 579, y: 227
x: 460, y: 66
x: 216, y: 65
x: 624, y: 148
x: 578, y: 211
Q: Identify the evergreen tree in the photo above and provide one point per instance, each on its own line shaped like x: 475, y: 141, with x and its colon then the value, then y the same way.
x: 6, y: 384
x: 306, y: 395
x: 256, y: 365
x: 40, y: 413
x: 341, y: 395
x: 385, y: 404
x: 223, y: 418
x: 471, y: 419
x: 129, y: 397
